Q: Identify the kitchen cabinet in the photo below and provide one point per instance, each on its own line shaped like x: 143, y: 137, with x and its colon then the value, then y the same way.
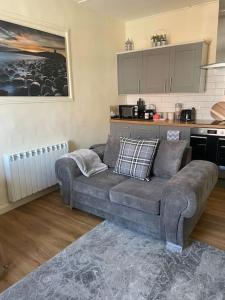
x: 119, y: 129
x: 155, y: 71
x: 171, y: 69
x: 144, y: 132
x: 129, y: 68
x: 134, y: 131
x: 137, y: 131
x: 186, y: 75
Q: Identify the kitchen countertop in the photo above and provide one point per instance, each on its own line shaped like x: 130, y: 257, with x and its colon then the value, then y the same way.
x: 195, y: 124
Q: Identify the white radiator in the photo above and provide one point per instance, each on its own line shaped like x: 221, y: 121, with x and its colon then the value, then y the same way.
x: 32, y: 171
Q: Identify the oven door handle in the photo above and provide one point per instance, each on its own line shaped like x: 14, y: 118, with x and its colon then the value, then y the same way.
x: 198, y: 137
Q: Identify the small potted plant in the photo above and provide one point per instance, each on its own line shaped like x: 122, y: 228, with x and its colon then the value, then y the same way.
x: 154, y: 40
x: 159, y: 40
x: 129, y: 45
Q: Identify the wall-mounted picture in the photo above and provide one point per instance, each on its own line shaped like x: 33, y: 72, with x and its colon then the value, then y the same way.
x: 32, y: 62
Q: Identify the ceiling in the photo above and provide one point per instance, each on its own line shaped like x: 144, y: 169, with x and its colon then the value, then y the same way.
x: 133, y: 9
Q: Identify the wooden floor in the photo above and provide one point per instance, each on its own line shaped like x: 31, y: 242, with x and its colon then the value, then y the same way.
x: 35, y: 232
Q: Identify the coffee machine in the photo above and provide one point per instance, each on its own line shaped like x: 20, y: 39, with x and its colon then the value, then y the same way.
x: 141, y: 108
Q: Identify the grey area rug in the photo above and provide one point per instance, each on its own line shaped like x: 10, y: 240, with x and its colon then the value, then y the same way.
x: 111, y: 262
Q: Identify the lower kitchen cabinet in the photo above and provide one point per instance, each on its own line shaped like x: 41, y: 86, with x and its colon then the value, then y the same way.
x: 144, y: 132
x: 184, y: 132
x: 134, y: 131
x: 147, y: 131
x: 120, y: 129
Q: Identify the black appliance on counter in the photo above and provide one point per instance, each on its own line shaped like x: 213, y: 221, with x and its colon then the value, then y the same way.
x: 128, y: 111
x: 209, y: 144
x: 188, y: 115
x: 141, y: 108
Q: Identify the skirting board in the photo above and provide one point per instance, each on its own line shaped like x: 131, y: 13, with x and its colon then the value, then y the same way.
x: 11, y: 206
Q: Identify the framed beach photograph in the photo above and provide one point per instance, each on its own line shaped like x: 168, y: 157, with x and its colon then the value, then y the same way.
x: 33, y: 63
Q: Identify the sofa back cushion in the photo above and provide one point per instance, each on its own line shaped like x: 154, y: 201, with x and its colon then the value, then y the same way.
x: 136, y: 157
x: 111, y: 152
x: 168, y: 158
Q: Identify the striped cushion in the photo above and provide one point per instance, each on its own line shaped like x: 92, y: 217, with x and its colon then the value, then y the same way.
x: 136, y: 157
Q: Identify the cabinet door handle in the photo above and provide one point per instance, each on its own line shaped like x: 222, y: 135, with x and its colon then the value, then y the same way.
x: 139, y: 86
x: 171, y: 81
x: 165, y: 87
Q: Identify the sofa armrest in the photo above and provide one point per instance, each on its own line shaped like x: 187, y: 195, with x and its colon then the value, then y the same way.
x: 99, y: 149
x: 66, y: 170
x: 184, y: 198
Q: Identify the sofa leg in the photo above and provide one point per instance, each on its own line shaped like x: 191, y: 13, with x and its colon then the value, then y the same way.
x: 174, y: 247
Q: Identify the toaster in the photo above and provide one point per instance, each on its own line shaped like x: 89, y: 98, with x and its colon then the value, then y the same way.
x: 188, y: 115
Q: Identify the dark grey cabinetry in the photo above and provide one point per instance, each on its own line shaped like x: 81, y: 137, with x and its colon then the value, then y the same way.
x: 120, y: 129
x: 134, y: 131
x: 185, y: 72
x: 144, y: 132
x: 172, y: 69
x: 129, y: 68
x: 155, y: 71
x: 184, y: 132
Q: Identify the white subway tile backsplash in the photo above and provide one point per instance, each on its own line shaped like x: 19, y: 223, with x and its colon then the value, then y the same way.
x: 215, y: 91
x: 220, y: 71
x: 220, y: 85
x: 210, y: 85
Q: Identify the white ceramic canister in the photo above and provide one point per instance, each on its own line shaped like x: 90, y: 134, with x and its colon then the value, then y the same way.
x: 165, y: 115
x: 171, y: 116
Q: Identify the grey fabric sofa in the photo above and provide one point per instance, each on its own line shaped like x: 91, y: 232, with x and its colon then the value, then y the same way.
x: 165, y: 208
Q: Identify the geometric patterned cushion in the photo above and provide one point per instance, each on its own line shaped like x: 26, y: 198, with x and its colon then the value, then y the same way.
x: 173, y: 135
x: 136, y: 157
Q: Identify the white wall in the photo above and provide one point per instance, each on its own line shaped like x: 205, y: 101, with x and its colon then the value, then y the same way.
x: 183, y: 25
x: 198, y: 22
x: 94, y: 41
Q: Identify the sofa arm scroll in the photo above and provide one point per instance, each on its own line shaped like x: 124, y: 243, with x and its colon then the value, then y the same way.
x: 184, y: 198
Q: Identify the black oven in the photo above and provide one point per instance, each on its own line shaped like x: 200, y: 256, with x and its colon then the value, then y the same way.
x: 128, y: 111
x: 209, y: 144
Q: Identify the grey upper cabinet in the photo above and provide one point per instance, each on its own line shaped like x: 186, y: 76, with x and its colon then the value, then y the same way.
x: 172, y: 69
x: 186, y: 75
x: 155, y: 71
x: 129, y: 68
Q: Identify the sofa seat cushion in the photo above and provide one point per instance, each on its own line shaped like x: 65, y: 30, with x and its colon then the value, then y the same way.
x: 141, y: 195
x: 98, y: 186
